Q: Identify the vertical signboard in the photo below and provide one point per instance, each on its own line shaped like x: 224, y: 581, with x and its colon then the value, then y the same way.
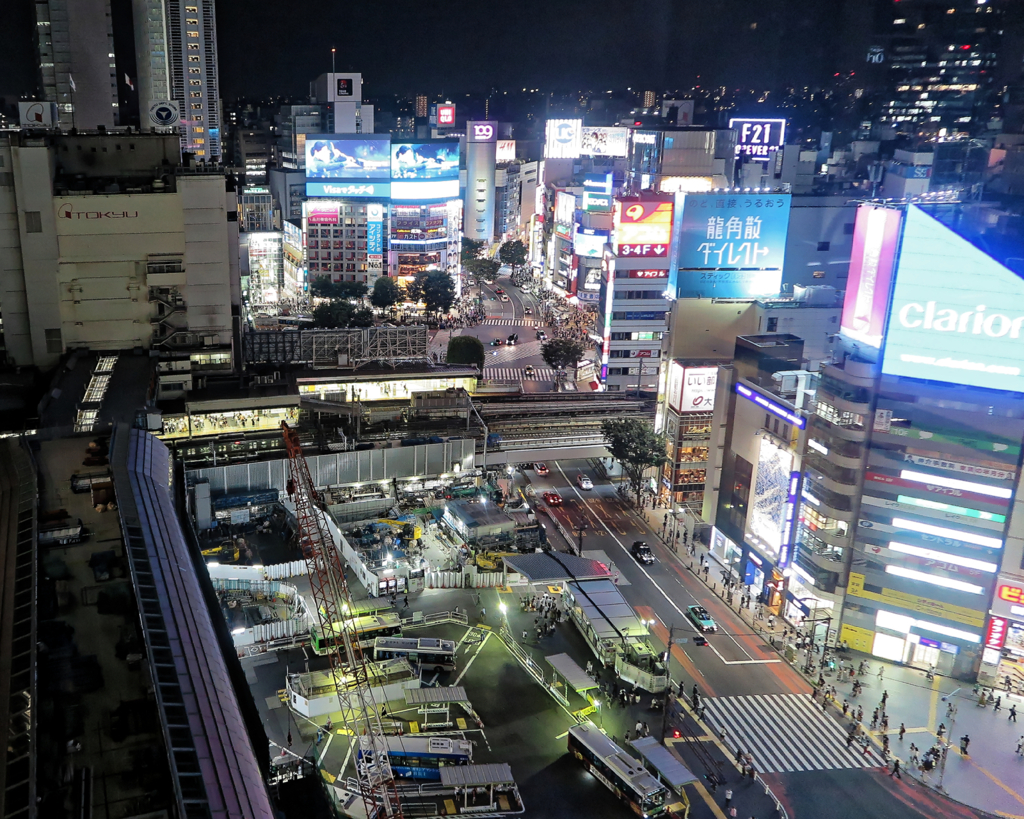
x: 758, y: 138
x: 563, y: 138
x: 643, y: 228
x: 374, y: 238
x: 875, y: 237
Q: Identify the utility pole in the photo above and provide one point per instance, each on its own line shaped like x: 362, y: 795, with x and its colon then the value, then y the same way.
x: 668, y: 672
x: 581, y: 527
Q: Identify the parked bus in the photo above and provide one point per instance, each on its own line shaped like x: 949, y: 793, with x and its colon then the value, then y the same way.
x: 623, y: 775
x: 367, y: 629
x: 425, y: 652
x: 420, y: 757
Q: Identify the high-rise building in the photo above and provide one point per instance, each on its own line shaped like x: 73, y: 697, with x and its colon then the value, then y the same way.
x: 191, y: 31
x: 421, y: 105
x: 152, y: 67
x: 76, y: 61
x: 943, y: 58
x: 649, y: 97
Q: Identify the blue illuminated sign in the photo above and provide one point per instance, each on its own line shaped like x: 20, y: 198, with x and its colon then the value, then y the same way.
x: 767, y: 404
x: 957, y: 314
x: 375, y: 190
x: 731, y: 245
x: 374, y: 236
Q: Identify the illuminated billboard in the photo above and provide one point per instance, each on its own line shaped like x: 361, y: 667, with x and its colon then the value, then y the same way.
x: 562, y: 138
x: 565, y: 213
x: 481, y: 131
x: 597, y: 202
x: 643, y: 228
x: 409, y: 191
x: 957, y: 314
x: 732, y: 245
x: 350, y: 157
x: 686, y: 184
x: 506, y: 150
x: 604, y: 141
x: 676, y: 372
x: 445, y: 115
x: 766, y: 518
x: 875, y: 237
x: 589, y: 242
x: 699, y: 386
x: 425, y: 160
x: 758, y: 138
x: 322, y: 213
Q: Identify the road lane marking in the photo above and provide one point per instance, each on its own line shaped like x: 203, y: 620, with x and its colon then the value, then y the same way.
x: 473, y: 658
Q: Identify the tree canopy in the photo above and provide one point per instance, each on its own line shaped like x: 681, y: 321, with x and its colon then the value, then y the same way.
x: 634, y: 443
x: 435, y: 289
x: 386, y: 293
x: 471, y: 249
x: 326, y: 289
x: 559, y: 353
x: 337, y: 313
x: 466, y: 350
x: 513, y: 253
x: 485, y: 269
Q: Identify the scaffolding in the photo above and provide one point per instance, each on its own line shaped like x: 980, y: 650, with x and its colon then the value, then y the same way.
x: 348, y: 348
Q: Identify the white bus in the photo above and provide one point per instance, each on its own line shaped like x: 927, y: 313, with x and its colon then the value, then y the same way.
x: 425, y: 652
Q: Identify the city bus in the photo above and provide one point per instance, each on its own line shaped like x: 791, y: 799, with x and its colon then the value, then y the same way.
x: 419, y: 757
x: 623, y: 775
x: 367, y: 629
x: 425, y: 652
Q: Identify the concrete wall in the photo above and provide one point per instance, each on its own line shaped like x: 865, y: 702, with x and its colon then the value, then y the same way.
x: 813, y: 220
x: 707, y: 328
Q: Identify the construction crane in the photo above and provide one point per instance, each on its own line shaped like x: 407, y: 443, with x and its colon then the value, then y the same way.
x: 330, y: 593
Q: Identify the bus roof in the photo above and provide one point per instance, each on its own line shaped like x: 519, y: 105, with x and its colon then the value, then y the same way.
x: 422, y: 744
x: 414, y: 643
x: 631, y: 770
x: 370, y: 622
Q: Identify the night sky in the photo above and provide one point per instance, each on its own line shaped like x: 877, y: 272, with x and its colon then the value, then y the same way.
x: 269, y: 47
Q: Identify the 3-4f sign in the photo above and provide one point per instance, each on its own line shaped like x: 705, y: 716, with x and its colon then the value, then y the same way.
x: 759, y: 138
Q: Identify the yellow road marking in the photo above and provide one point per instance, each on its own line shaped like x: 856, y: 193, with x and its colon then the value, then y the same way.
x: 715, y: 809
x: 1006, y: 788
x: 1009, y: 815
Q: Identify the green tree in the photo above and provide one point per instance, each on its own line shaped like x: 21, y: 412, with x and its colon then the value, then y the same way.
x: 326, y: 289
x: 484, y: 269
x: 466, y: 350
x: 471, y: 248
x: 435, y: 289
x: 337, y: 313
x: 634, y: 443
x: 386, y: 293
x: 513, y: 254
x: 559, y: 353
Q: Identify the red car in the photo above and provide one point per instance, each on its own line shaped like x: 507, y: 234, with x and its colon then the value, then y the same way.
x: 500, y: 292
x: 552, y: 499
x: 541, y: 469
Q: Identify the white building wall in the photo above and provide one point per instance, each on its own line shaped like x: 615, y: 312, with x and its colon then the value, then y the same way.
x: 209, y: 254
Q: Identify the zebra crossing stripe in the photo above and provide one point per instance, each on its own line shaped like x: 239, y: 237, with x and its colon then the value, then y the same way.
x: 786, y: 732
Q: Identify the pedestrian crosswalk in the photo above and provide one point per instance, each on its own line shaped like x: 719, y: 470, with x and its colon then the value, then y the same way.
x: 519, y: 374
x: 786, y: 732
x: 512, y: 322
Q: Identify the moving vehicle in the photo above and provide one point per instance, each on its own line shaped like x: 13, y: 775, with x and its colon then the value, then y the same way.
x: 583, y: 482
x: 701, y: 619
x: 623, y: 775
x: 552, y: 499
x: 419, y: 757
x: 498, y: 342
x: 541, y: 469
x: 499, y: 292
x: 542, y: 336
x: 529, y: 370
x: 529, y: 311
x: 367, y: 628
x: 641, y: 552
x: 512, y: 339
x: 503, y: 297
x: 426, y: 652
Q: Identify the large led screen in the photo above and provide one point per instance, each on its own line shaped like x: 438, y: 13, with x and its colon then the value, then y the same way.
x: 766, y: 518
x: 589, y: 242
x: 875, y: 237
x: 596, y: 141
x: 348, y: 158
x: 957, y: 314
x: 643, y: 228
x: 734, y: 231
x: 562, y: 138
x: 425, y: 160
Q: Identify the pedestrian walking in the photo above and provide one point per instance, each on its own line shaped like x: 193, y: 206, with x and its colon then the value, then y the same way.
x: 1020, y: 745
x: 881, y: 671
x: 860, y: 714
x: 639, y: 728
x: 874, y: 719
x: 940, y: 732
x: 896, y: 769
x: 913, y: 755
x: 903, y: 730
x: 965, y: 742
x: 998, y: 704
x: 524, y: 637
x: 483, y: 613
x: 846, y: 707
x: 647, y: 730
x: 1013, y: 713
x: 885, y: 698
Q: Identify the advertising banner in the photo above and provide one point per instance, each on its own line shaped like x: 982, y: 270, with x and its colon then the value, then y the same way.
x: 367, y: 190
x: 323, y: 213
x: 734, y: 231
x: 481, y: 131
x: 699, y: 386
x: 643, y: 228
x: 374, y: 229
x: 596, y: 141
x: 598, y: 183
x: 902, y: 483
x: 589, y: 242
x: 565, y: 213
x: 875, y: 237
x: 445, y: 115
x: 39, y: 114
x: 766, y: 517
x: 917, y: 603
x: 425, y: 160
x: 164, y: 113
x: 562, y: 138
x: 758, y: 138
x: 957, y: 314
x: 597, y: 202
x: 728, y: 284
x: 506, y: 150
x: 359, y: 157
x: 1009, y: 598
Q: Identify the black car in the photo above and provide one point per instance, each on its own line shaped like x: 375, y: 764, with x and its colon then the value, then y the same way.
x: 512, y: 339
x: 642, y: 552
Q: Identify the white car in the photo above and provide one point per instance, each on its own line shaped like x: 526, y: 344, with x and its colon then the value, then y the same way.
x: 584, y: 482
x: 503, y: 297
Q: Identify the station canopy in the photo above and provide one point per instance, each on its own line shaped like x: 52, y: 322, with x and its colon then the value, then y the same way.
x: 606, y: 609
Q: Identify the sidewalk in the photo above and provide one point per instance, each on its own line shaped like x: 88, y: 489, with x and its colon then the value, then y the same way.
x: 990, y: 777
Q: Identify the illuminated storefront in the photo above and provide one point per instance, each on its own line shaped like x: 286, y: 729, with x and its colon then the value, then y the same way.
x: 382, y: 388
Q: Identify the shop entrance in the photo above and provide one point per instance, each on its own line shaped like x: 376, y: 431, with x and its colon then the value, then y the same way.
x: 922, y: 656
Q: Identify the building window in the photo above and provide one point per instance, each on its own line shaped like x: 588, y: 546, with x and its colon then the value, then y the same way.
x: 192, y: 70
x: 193, y: 34
x: 191, y: 22
x: 195, y: 93
x: 823, y: 246
x: 34, y: 224
x: 193, y: 46
x: 818, y: 274
x: 193, y: 58
x: 195, y: 82
x: 53, y: 341
x: 198, y: 130
x: 773, y: 325
x: 848, y: 229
